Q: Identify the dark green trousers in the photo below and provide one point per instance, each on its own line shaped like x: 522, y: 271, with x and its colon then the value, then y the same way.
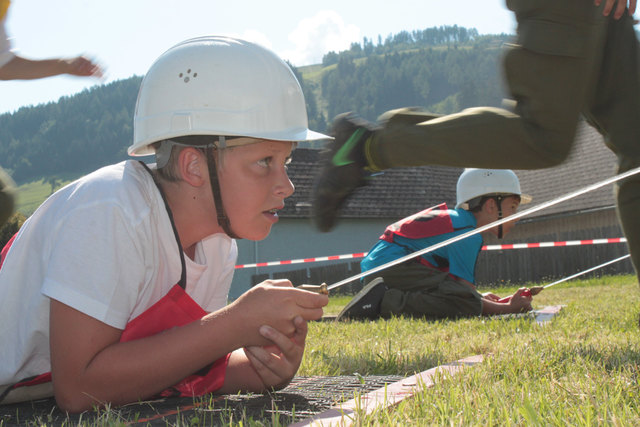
x: 7, y: 197
x: 419, y: 291
x: 568, y: 60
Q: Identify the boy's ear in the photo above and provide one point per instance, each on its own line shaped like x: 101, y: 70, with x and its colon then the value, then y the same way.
x: 489, y: 205
x: 193, y: 166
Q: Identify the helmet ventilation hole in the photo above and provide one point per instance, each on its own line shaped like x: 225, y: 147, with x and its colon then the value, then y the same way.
x: 186, y: 78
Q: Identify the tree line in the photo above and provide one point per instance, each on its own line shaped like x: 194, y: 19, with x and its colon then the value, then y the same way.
x: 435, y: 36
x: 443, y: 69
x: 77, y: 134
x: 440, y: 80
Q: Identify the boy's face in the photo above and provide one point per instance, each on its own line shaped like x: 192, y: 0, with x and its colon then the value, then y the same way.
x: 254, y: 184
x: 509, y: 207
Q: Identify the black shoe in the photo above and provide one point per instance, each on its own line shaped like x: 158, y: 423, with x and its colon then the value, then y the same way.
x: 343, y: 168
x: 366, y: 303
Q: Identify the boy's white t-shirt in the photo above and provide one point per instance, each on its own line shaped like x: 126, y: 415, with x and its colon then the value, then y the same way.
x: 103, y: 245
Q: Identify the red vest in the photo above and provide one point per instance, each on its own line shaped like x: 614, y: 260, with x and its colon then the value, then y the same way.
x: 430, y: 222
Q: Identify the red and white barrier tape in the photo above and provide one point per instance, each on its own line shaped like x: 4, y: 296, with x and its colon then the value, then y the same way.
x: 303, y: 260
x: 552, y: 244
x: 484, y: 248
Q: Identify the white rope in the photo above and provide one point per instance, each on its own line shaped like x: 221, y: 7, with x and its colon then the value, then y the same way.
x: 587, y: 271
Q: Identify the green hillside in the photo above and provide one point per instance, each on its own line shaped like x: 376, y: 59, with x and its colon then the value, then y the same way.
x: 33, y: 193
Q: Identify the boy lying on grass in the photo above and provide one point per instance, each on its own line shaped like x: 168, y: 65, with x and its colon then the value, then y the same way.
x: 115, y: 290
x: 440, y: 284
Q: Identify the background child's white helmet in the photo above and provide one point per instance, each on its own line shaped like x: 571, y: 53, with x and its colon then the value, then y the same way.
x: 474, y: 183
x: 219, y: 86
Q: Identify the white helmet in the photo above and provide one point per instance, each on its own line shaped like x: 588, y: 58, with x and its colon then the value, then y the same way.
x: 219, y: 86
x: 481, y: 182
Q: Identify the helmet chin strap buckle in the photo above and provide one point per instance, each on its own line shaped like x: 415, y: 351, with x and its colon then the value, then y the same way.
x: 163, y: 153
x: 222, y: 142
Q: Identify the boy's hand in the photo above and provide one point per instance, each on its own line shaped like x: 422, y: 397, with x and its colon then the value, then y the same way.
x: 82, y: 66
x: 520, y: 301
x: 276, y: 303
x: 490, y: 296
x: 276, y: 364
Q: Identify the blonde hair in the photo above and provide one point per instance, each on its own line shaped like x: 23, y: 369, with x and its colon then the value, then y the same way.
x: 168, y: 152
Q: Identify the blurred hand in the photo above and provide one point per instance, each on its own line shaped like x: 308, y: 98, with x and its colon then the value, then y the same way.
x: 82, y: 66
x: 620, y: 6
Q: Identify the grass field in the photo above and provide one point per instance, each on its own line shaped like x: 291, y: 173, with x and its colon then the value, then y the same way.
x: 582, y: 368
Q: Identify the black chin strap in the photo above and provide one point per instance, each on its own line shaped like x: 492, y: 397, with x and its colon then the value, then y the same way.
x: 223, y: 219
x: 183, y: 275
x: 499, y: 200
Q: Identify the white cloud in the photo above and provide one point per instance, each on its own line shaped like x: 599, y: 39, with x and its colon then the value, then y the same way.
x: 318, y: 35
x: 256, y: 37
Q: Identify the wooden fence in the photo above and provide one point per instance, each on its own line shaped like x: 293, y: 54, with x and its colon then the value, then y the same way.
x: 519, y: 266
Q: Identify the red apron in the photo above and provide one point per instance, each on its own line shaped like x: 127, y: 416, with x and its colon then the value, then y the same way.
x: 175, y: 309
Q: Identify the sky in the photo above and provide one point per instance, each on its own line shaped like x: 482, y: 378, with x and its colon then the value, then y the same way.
x: 126, y: 36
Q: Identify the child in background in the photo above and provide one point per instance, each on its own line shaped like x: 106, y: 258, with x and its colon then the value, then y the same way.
x: 441, y: 284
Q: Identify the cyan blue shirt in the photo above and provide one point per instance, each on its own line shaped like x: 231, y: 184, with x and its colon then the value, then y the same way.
x: 460, y: 256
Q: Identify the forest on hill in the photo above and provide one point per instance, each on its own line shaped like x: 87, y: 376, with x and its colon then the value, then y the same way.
x: 443, y: 69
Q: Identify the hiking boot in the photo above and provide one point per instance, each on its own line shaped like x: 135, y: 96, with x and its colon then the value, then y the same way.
x: 366, y: 303
x: 343, y: 168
